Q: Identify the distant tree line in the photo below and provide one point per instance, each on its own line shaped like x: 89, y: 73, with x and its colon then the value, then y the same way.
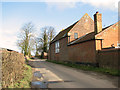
x: 28, y: 41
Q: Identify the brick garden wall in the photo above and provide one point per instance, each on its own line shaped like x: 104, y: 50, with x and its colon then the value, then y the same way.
x: 108, y: 58
x: 83, y: 52
x: 86, y: 53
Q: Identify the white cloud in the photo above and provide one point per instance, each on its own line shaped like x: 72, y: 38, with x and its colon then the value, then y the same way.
x: 63, y: 4
x: 106, y: 4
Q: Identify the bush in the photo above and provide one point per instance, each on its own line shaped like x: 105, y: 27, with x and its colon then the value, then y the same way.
x: 13, y: 67
x: 25, y: 82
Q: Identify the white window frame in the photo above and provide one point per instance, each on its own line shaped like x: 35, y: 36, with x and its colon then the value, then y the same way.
x: 75, y: 35
x: 118, y: 45
x: 57, y: 47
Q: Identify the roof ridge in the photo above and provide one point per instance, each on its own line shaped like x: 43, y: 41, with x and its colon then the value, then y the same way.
x: 63, y: 32
x: 69, y: 26
x: 84, y: 15
x: 83, y: 38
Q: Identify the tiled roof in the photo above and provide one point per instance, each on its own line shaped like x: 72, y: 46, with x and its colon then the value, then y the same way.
x: 106, y: 27
x: 89, y: 36
x: 86, y: 37
x: 63, y: 33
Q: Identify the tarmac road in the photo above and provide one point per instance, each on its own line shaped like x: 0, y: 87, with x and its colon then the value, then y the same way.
x: 59, y: 76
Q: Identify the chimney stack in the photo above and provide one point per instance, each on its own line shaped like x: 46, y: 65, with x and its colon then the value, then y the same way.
x: 97, y: 22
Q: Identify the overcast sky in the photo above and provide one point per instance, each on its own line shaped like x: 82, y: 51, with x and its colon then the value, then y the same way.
x: 50, y: 13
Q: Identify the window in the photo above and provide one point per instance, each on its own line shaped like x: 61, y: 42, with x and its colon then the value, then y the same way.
x: 57, y: 47
x: 86, y: 20
x: 118, y: 45
x: 75, y: 35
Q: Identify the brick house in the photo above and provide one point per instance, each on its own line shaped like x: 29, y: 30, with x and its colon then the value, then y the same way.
x: 80, y: 41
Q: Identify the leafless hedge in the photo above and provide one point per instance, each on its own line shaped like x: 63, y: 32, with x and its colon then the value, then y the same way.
x: 12, y: 67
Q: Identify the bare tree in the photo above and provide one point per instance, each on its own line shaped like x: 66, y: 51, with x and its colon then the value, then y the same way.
x: 31, y: 46
x: 37, y: 46
x: 46, y: 37
x: 43, y: 39
x: 20, y: 44
x: 51, y: 33
x: 25, y: 38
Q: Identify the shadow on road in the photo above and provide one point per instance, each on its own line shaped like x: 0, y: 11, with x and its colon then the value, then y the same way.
x: 35, y: 64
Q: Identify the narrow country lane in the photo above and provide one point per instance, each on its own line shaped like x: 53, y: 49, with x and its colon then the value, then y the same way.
x: 59, y: 76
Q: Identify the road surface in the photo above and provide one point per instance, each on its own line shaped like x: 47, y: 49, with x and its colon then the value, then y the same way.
x: 59, y: 76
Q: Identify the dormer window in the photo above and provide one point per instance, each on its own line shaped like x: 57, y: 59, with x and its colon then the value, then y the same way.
x: 75, y: 35
x: 57, y: 46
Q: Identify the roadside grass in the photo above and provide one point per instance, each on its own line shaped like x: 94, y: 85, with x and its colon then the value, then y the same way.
x: 88, y: 68
x: 25, y: 82
x: 29, y: 59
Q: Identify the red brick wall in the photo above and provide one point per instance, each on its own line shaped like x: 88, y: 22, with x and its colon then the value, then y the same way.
x: 63, y: 49
x: 83, y: 52
x: 109, y: 36
x: 83, y: 26
x: 108, y: 58
x: 63, y: 53
x: 51, y: 54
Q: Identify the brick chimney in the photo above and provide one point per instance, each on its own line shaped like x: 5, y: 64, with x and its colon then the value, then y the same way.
x: 97, y: 22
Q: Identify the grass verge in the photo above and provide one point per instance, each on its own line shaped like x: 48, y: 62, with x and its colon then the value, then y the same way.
x: 29, y: 59
x: 25, y: 82
x: 89, y: 68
